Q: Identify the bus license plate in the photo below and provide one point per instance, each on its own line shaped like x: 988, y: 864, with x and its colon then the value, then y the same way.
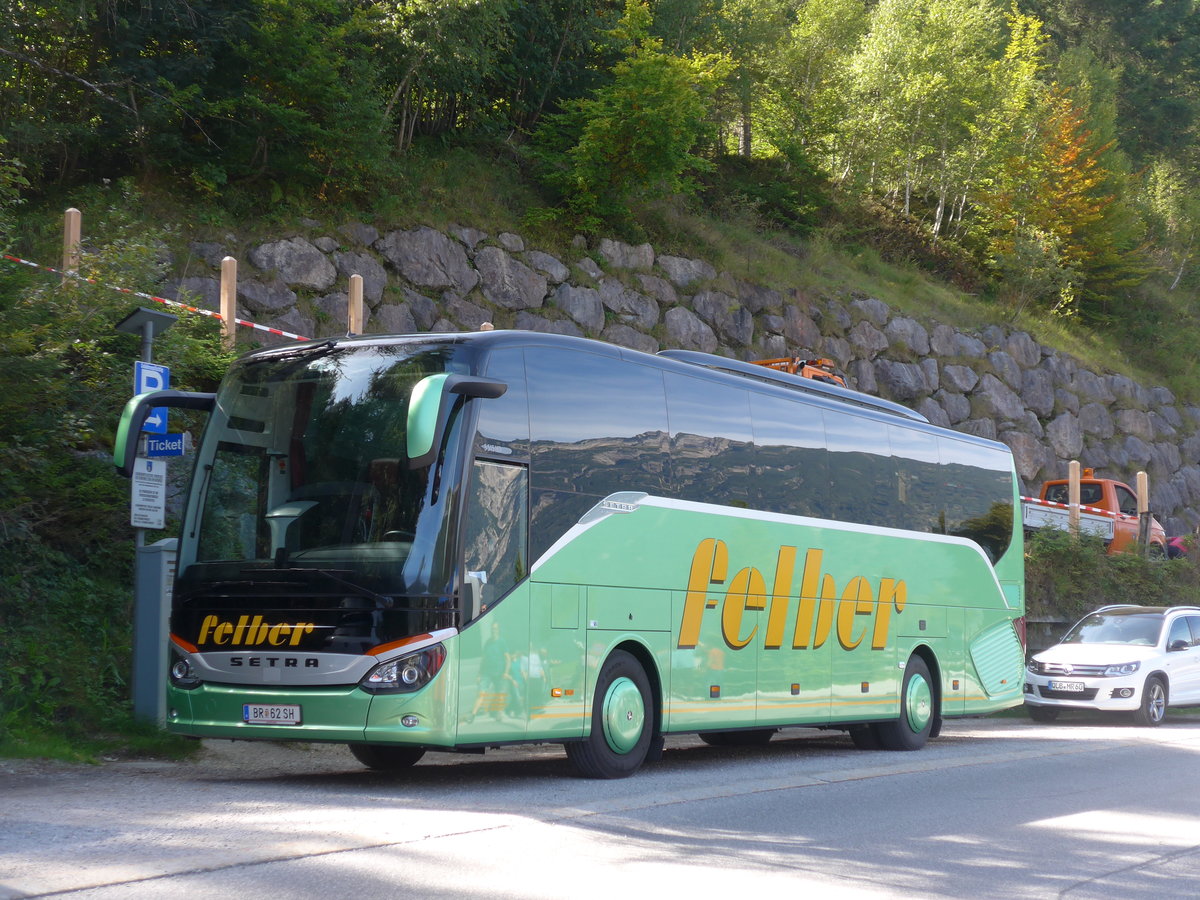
x: 1067, y: 687
x: 270, y: 714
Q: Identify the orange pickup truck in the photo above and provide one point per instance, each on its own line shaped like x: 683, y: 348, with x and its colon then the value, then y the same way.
x: 1108, y: 509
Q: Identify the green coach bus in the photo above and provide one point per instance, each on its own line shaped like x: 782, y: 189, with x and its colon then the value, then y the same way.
x: 456, y: 541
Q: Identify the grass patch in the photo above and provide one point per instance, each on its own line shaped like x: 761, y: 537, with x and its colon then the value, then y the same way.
x: 119, y: 738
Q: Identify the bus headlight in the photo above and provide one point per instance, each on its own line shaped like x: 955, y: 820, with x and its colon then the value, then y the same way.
x: 406, y: 673
x: 183, y: 675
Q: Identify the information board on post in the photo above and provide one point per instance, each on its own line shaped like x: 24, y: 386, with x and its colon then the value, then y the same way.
x: 148, y: 500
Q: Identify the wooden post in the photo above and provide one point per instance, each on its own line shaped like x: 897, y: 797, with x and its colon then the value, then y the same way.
x: 1143, y: 499
x: 72, y: 220
x: 1073, y: 496
x: 355, y: 317
x: 229, y: 301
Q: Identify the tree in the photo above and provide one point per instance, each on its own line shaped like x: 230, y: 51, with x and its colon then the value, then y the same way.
x: 635, y: 136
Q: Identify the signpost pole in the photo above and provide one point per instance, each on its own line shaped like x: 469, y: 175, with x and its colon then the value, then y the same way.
x: 147, y: 502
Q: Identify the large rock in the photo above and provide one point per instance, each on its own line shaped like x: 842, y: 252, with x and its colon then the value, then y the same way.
x: 959, y: 378
x: 729, y: 319
x: 1065, y: 436
x: 624, y: 336
x: 297, y: 262
x: 684, y: 272
x: 908, y: 333
x: 373, y: 275
x: 995, y: 400
x: 395, y: 318
x: 1095, y: 420
x: 686, y: 330
x: 631, y: 307
x: 266, y: 297
x: 509, y: 282
x: 582, y: 304
x: 1029, y: 454
x: 429, y: 259
x: 550, y: 266
x: 1006, y: 367
x: 867, y: 340
x: 903, y: 382
x: 875, y: 311
x: 527, y: 321
x: 799, y: 329
x: 625, y: 256
x: 1037, y: 392
x: 1135, y: 422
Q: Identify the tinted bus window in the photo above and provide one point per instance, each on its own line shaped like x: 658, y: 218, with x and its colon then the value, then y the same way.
x: 917, y: 465
x: 978, y: 494
x: 598, y: 425
x: 503, y: 429
x: 790, y: 462
x: 863, y: 486
x: 711, y: 442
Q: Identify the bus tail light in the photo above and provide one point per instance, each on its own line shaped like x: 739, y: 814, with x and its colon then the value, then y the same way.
x: 1019, y: 626
x: 405, y: 673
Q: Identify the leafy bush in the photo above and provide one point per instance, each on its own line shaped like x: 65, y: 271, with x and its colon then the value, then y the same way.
x: 1068, y: 576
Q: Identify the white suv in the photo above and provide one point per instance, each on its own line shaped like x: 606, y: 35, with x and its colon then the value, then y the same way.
x: 1140, y: 659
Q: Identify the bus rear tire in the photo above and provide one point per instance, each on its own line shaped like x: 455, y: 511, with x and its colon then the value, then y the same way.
x: 622, y: 721
x: 918, y: 709
x: 386, y: 757
x: 753, y: 737
x: 865, y: 737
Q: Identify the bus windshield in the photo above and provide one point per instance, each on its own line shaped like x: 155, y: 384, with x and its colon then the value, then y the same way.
x: 303, y: 489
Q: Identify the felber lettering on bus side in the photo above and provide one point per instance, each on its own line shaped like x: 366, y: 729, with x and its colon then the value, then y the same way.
x: 858, y: 610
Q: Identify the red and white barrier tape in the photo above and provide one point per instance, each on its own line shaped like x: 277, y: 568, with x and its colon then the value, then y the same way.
x: 163, y: 300
x: 1082, y: 508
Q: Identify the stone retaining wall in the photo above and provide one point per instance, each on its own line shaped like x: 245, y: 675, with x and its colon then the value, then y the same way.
x: 1000, y: 383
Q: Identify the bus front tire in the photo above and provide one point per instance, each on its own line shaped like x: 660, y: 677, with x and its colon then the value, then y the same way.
x: 386, y: 757
x: 917, y: 710
x: 622, y: 721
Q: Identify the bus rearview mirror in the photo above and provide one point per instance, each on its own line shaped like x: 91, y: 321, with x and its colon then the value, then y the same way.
x: 429, y: 409
x: 134, y: 416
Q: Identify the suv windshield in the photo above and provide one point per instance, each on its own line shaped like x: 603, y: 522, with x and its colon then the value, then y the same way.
x: 1117, y: 628
x: 303, y: 497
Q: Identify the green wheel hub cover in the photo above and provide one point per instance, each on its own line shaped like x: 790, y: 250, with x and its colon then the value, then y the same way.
x: 623, y: 714
x: 918, y: 703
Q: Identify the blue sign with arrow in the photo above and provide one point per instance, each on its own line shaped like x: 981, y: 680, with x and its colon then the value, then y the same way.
x: 151, y: 377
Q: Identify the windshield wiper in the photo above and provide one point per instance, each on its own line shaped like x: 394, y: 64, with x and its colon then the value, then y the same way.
x: 313, y: 351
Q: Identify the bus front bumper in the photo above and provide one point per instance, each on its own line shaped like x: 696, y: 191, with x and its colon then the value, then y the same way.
x: 341, y: 714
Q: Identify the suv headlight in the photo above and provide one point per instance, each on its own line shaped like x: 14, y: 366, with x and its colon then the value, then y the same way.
x: 406, y: 673
x: 1032, y: 666
x: 1123, y: 669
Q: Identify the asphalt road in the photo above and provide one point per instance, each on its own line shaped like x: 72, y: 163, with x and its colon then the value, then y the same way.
x: 1086, y: 808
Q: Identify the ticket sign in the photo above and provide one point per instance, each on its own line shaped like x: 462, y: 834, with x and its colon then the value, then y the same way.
x: 151, y: 377
x: 167, y: 445
x: 148, y: 502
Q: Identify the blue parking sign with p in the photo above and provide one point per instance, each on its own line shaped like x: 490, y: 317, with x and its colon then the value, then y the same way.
x: 151, y: 377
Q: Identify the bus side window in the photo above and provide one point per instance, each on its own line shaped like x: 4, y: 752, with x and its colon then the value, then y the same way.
x: 497, y: 546
x: 503, y: 424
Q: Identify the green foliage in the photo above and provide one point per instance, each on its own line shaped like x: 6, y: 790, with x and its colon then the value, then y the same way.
x: 1068, y: 576
x: 635, y: 137
x: 783, y: 193
x: 64, y: 568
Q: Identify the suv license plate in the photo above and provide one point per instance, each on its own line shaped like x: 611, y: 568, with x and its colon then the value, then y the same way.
x: 1071, y: 687
x: 270, y: 714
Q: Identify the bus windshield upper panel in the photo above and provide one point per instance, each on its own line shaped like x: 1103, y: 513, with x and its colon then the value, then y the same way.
x: 304, y: 466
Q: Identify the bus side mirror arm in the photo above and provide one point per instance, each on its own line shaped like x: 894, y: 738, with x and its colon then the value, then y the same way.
x: 134, y: 416
x: 430, y: 408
